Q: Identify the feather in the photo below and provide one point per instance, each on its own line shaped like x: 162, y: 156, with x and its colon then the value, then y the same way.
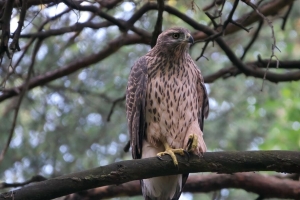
x: 135, y: 105
x: 166, y: 103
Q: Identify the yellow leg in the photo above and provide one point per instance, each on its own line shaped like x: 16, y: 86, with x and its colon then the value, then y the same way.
x: 192, y: 142
x: 171, y: 152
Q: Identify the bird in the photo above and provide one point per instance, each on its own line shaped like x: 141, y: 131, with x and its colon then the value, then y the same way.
x: 166, y: 103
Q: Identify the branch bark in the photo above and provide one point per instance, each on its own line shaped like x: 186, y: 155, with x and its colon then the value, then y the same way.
x: 263, y: 185
x: 5, y: 29
x: 124, y: 171
x: 111, y: 48
x: 248, y: 71
x: 142, y: 37
x: 233, y: 71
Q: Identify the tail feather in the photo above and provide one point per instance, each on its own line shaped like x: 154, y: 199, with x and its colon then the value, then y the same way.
x: 178, y: 192
x: 163, y: 188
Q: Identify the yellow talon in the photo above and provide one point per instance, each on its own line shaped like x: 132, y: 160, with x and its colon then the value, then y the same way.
x: 171, y: 152
x: 192, y: 142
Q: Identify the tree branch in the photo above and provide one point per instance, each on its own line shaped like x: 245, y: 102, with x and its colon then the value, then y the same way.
x: 159, y: 20
x: 19, y: 102
x: 233, y: 71
x: 267, y: 186
x: 248, y: 71
x: 94, y: 9
x: 124, y: 171
x: 5, y: 27
x: 14, y: 45
x: 286, y: 16
x: 114, y: 103
x: 111, y: 48
x: 18, y: 3
x: 36, y: 178
x: 253, y: 39
x: 268, y: 9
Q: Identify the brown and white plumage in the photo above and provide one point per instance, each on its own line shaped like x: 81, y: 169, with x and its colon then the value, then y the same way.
x: 166, y: 103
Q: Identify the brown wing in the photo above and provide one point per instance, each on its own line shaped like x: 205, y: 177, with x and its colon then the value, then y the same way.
x: 135, y: 105
x: 203, y: 98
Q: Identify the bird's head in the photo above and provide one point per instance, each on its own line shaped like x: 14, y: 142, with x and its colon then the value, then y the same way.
x: 174, y: 42
x: 174, y: 37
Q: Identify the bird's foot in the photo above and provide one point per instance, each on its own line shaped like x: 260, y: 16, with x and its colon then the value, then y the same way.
x: 171, y: 152
x: 192, y: 143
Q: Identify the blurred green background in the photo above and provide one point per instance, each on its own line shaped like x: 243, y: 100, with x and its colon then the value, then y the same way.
x: 62, y: 126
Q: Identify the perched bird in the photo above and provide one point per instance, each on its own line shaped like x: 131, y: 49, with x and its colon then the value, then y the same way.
x: 166, y: 102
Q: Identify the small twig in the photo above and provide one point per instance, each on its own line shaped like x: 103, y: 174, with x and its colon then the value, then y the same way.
x: 267, y: 20
x: 193, y: 5
x: 5, y: 27
x: 224, y: 26
x: 285, y: 18
x: 202, y: 52
x: 229, y: 19
x: 241, y: 26
x: 14, y: 45
x: 30, y: 69
x: 254, y: 7
x: 213, y: 4
x: 27, y: 46
x: 158, y: 25
x: 115, y: 102
x: 212, y: 19
x: 9, y: 72
x: 261, y: 22
x: 39, y: 30
x: 76, y: 5
x: 222, y: 3
x: 222, y: 73
x: 218, y: 12
x: 265, y: 75
x: 33, y: 18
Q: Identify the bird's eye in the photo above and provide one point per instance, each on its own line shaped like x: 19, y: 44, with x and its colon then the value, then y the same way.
x: 175, y: 35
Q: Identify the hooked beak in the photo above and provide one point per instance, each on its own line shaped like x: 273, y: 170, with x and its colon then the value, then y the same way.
x: 189, y: 38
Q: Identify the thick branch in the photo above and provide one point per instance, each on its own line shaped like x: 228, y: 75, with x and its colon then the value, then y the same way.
x: 253, y: 39
x: 15, y: 43
x: 255, y: 72
x: 266, y: 186
x: 19, y: 102
x: 94, y: 9
x: 18, y: 3
x: 74, y: 28
x: 5, y: 27
x: 247, y: 19
x: 233, y: 71
x: 159, y: 20
x: 109, y: 4
x: 124, y: 171
x: 36, y: 178
x: 114, y: 45
x: 269, y: 9
x: 220, y: 74
x: 111, y: 48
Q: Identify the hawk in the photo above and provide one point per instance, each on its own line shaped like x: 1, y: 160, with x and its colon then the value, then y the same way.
x: 166, y: 103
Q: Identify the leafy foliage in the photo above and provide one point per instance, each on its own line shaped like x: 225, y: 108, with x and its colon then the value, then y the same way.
x: 62, y: 125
